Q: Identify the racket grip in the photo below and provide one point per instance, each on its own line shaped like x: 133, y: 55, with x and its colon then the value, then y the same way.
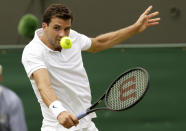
x: 81, y: 115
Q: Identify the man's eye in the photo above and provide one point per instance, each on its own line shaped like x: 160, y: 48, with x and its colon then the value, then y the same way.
x: 56, y: 28
x: 67, y: 29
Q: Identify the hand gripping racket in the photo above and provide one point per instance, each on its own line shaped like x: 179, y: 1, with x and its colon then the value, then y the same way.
x: 124, y: 92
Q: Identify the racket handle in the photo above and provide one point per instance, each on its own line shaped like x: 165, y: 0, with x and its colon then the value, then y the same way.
x: 81, y: 115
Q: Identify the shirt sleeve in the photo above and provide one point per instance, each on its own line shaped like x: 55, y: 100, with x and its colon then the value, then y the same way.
x: 84, y: 41
x: 15, y: 113
x: 32, y: 60
x: 17, y: 119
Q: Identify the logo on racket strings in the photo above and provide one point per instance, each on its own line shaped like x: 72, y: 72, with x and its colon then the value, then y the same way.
x: 124, y: 91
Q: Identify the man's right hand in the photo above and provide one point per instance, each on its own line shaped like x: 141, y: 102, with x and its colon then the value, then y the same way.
x: 67, y: 119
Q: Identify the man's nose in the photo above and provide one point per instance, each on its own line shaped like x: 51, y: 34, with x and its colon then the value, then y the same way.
x: 62, y: 33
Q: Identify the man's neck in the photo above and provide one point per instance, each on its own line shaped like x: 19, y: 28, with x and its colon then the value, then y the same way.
x: 45, y: 41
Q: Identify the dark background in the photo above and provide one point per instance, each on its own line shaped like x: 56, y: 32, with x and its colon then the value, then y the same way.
x: 94, y: 17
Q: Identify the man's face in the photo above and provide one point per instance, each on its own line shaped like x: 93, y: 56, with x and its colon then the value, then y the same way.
x: 56, y: 29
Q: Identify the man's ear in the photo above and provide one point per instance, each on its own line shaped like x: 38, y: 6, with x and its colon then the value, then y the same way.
x: 44, y: 25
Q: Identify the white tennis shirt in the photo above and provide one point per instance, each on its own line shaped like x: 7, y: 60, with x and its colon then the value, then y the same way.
x: 68, y: 76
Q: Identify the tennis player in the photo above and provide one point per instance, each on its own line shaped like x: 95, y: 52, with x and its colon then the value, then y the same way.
x: 11, y: 110
x: 58, y: 76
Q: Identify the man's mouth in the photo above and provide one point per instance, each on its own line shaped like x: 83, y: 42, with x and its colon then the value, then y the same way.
x: 58, y: 41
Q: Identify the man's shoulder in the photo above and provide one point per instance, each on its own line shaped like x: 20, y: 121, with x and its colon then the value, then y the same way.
x: 33, y: 45
x: 12, y: 100
x: 33, y: 48
x: 74, y: 33
x: 11, y: 95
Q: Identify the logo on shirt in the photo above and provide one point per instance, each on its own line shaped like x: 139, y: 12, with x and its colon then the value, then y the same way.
x: 54, y: 106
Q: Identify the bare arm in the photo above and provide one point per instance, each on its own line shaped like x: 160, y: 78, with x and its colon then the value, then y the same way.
x: 108, y: 40
x: 42, y: 80
x: 48, y: 95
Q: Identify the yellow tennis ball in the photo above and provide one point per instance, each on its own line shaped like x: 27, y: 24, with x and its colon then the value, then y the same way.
x: 66, y: 42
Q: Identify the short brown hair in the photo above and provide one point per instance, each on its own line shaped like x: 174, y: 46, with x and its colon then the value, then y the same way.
x: 57, y: 10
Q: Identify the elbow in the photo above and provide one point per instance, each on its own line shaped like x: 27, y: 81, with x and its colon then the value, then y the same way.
x: 44, y: 87
x: 94, y: 50
x: 40, y: 88
x: 96, y: 46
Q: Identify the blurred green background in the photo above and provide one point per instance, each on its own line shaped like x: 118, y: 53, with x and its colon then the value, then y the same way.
x: 162, y: 109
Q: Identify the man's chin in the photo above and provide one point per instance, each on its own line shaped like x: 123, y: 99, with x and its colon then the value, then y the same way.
x: 58, y: 46
x: 58, y: 43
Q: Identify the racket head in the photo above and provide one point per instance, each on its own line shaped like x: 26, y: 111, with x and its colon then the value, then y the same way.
x: 127, y: 90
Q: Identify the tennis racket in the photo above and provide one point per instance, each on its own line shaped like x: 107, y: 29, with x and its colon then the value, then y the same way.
x: 124, y: 92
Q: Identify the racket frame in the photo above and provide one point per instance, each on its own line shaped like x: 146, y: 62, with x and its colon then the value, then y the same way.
x: 114, y: 82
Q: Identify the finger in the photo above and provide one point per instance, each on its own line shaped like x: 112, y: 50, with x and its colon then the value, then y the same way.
x: 153, y: 14
x: 66, y: 120
x: 75, y: 120
x: 71, y: 122
x: 147, y: 11
x: 153, y: 24
x: 68, y: 123
x: 154, y: 20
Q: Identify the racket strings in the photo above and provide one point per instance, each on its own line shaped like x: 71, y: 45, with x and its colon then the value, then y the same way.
x: 127, y: 90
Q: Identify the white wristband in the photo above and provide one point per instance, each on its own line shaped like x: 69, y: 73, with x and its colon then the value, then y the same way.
x: 56, y: 108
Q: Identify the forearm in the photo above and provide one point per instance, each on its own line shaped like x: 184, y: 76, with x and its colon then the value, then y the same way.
x: 51, y: 100
x: 47, y: 93
x: 44, y: 86
x: 111, y: 39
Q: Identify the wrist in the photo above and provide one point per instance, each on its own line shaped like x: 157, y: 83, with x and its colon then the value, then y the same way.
x: 56, y: 108
x: 60, y: 114
x: 136, y: 27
